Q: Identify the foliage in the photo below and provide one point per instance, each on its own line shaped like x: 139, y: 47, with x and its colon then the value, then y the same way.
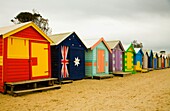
x: 136, y: 44
x: 35, y: 17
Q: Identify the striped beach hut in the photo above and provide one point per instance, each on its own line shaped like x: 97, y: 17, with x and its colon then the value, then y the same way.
x: 24, y: 54
x: 68, y: 56
x: 155, y: 60
x: 138, y: 59
x: 97, y: 58
x: 128, y: 64
x: 116, y: 57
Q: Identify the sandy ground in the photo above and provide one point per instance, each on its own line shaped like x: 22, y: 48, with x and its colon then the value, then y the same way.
x: 139, y: 92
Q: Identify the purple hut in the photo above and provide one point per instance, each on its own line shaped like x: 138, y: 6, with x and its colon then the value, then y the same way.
x: 116, y: 57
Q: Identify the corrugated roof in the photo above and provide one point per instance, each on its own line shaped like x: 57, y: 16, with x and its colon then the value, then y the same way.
x: 7, y: 29
x: 113, y: 43
x: 58, y: 38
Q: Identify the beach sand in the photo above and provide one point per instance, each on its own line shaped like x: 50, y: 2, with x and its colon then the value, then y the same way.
x: 137, y: 92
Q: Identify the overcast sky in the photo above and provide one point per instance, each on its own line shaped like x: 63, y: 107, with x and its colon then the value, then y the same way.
x: 147, y: 21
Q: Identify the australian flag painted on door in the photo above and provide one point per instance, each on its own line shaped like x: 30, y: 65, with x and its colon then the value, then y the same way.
x: 68, y: 56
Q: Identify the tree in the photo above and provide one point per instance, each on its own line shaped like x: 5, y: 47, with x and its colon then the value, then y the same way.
x: 136, y: 44
x: 35, y: 17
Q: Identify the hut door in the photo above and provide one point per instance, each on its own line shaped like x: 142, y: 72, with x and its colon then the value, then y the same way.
x: 39, y: 60
x: 100, y: 61
x: 77, y: 63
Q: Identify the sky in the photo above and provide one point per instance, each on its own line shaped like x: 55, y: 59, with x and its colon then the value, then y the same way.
x: 147, y: 21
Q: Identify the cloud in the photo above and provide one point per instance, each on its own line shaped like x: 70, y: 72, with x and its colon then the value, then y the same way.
x: 147, y: 21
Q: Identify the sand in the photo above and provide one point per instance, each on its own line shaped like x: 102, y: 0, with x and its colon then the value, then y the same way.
x: 138, y: 92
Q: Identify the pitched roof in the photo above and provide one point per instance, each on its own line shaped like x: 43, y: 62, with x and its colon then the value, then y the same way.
x: 155, y: 54
x: 9, y: 30
x: 147, y: 51
x: 58, y: 38
x: 126, y: 47
x: 92, y: 43
x: 137, y: 50
x: 114, y: 43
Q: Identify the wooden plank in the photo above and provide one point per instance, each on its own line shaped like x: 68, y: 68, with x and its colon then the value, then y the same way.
x: 30, y: 81
x: 122, y: 74
x: 66, y: 81
x: 37, y: 89
x: 103, y: 76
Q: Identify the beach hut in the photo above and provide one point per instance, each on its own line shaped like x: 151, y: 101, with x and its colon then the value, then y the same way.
x: 97, y: 58
x: 166, y: 61
x: 145, y: 59
x: 162, y: 61
x: 150, y: 59
x: 159, y: 60
x: 116, y: 57
x: 24, y: 54
x: 128, y: 58
x: 68, y: 56
x: 138, y: 59
x: 155, y: 60
x: 169, y: 59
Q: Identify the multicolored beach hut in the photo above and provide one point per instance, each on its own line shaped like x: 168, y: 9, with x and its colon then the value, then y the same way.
x: 150, y: 59
x: 97, y: 57
x: 116, y: 57
x: 138, y: 59
x: 128, y: 64
x: 155, y: 60
x: 145, y: 59
x: 68, y: 56
x: 24, y: 54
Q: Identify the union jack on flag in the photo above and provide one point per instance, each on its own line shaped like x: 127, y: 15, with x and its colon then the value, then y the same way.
x: 64, y: 62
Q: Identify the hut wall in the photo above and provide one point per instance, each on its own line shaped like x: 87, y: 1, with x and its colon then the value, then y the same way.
x: 138, y: 61
x: 128, y: 61
x: 145, y: 61
x: 29, y: 33
x: 89, y: 63
x: 155, y: 63
x: 111, y: 61
x: 159, y: 62
x: 1, y: 64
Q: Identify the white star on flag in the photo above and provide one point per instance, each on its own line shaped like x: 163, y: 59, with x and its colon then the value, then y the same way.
x: 76, y: 61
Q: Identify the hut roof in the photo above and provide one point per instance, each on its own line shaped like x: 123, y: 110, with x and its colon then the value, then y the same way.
x: 155, y: 54
x: 92, y: 43
x: 114, y: 43
x: 58, y: 38
x: 126, y: 47
x: 9, y: 30
x: 138, y: 50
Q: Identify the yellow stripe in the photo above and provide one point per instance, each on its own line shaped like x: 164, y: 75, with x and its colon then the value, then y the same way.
x: 1, y: 60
